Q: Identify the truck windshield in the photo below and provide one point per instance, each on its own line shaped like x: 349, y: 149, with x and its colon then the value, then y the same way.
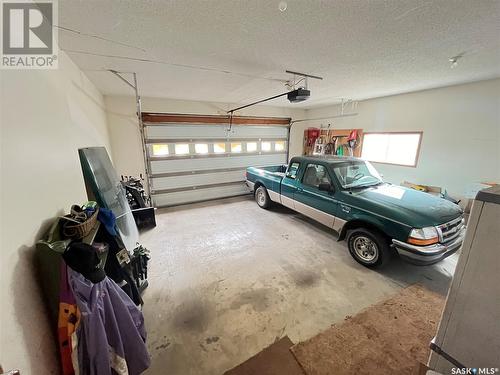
x: 358, y: 173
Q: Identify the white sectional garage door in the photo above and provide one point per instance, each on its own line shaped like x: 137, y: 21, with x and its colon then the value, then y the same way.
x: 196, y: 158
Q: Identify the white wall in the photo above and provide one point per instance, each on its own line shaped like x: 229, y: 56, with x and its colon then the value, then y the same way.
x: 460, y: 124
x: 45, y: 117
x: 124, y: 130
x: 461, y: 132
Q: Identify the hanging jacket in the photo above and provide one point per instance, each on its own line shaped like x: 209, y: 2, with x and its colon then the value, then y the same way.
x: 68, y: 324
x: 112, y: 335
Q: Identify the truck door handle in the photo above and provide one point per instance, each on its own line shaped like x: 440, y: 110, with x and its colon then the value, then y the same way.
x: 345, y: 208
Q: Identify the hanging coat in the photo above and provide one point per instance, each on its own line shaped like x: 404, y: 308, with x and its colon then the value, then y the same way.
x: 112, y: 335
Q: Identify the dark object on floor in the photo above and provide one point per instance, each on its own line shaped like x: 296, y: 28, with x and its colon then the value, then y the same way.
x: 144, y: 217
x: 390, y: 337
x: 276, y: 359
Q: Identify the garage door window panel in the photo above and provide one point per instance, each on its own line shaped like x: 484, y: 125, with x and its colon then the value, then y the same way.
x: 181, y: 148
x: 265, y: 146
x: 236, y: 147
x: 219, y: 148
x: 201, y: 148
x: 251, y: 146
x: 279, y: 146
x: 159, y: 150
x: 392, y: 148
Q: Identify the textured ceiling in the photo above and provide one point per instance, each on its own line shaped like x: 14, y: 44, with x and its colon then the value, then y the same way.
x: 363, y: 49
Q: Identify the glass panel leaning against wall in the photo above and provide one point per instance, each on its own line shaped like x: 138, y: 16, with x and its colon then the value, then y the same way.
x: 392, y: 148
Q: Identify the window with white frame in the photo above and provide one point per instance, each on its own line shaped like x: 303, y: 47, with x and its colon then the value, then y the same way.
x: 392, y: 148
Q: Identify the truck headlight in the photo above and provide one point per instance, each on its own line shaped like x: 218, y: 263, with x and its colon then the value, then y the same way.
x: 423, y: 236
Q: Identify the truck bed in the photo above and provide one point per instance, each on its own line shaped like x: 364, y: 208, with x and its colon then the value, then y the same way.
x: 275, y: 169
x: 269, y: 176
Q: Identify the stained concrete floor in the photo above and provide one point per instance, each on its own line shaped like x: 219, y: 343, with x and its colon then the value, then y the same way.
x: 227, y: 278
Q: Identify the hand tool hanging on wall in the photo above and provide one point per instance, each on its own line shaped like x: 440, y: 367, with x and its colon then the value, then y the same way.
x: 353, y: 141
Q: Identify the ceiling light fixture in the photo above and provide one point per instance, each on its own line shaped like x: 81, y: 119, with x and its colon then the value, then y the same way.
x: 454, y: 60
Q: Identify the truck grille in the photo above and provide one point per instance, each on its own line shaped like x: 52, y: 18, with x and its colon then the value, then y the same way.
x: 449, y: 231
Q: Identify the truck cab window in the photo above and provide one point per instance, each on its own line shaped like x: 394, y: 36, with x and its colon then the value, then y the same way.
x: 315, y: 174
x: 292, y: 170
x: 353, y: 174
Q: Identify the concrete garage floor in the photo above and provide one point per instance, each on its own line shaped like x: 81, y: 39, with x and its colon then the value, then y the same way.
x: 227, y: 278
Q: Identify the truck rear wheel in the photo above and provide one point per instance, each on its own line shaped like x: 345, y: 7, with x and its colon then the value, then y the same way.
x: 262, y: 197
x: 368, y: 247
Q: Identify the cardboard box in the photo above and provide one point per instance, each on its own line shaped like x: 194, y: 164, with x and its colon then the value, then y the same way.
x: 434, y: 190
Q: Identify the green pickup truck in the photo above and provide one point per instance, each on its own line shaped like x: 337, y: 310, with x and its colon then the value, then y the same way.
x: 377, y: 218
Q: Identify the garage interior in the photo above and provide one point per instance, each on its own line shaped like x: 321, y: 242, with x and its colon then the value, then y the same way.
x: 174, y: 101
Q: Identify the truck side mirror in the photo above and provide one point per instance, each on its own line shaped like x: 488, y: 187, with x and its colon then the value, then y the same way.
x: 325, y: 186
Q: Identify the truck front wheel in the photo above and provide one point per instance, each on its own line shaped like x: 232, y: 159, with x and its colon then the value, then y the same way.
x: 368, y: 248
x: 262, y: 197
